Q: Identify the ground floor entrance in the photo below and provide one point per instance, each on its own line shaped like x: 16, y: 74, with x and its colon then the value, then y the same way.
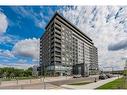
x: 81, y: 69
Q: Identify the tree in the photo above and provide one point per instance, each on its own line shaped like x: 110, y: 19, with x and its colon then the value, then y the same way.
x: 1, y: 73
x: 4, y: 75
x: 30, y: 69
x: 12, y: 75
x: 13, y: 72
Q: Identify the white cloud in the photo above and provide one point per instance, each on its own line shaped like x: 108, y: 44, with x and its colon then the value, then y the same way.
x: 29, y: 12
x: 106, y: 25
x: 28, y: 48
x: 40, y: 17
x: 17, y: 65
x: 41, y: 24
x: 6, y: 53
x: 3, y: 23
x: 9, y: 60
x: 5, y: 39
x: 22, y: 61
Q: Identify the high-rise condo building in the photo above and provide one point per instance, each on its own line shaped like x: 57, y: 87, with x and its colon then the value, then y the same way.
x: 65, y: 50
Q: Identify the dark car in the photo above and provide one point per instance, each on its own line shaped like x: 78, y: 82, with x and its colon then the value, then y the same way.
x: 103, y: 76
x: 109, y: 75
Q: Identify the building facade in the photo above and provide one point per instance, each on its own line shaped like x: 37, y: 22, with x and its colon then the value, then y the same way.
x: 65, y: 50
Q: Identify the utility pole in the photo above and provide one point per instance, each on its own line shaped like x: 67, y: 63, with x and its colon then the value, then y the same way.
x: 112, y: 70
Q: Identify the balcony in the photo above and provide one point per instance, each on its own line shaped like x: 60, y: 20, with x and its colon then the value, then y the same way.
x: 57, y: 32
x: 58, y: 48
x: 55, y: 48
x: 57, y: 62
x: 57, y: 58
x: 52, y: 54
x: 52, y: 60
x: 57, y: 25
x: 57, y: 44
x: 58, y: 36
x: 51, y: 44
x: 57, y: 28
x: 57, y: 40
x: 57, y: 52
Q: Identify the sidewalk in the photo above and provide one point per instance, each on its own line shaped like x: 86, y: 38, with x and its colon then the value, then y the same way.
x: 91, y: 85
x: 36, y: 81
x: 49, y: 79
x: 31, y: 81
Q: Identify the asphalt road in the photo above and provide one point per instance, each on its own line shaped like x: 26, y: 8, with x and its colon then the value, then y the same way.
x: 73, y: 80
x: 49, y: 84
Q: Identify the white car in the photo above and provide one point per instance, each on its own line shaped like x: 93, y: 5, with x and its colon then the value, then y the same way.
x: 77, y: 76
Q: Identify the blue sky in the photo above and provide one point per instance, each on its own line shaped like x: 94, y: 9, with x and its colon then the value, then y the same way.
x: 23, y: 23
x: 22, y: 26
x: 22, y: 20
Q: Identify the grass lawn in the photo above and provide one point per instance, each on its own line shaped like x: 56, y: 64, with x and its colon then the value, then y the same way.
x: 116, y: 84
x: 80, y: 83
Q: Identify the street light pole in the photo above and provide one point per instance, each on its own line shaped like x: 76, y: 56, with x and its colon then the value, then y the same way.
x: 0, y: 81
x: 66, y: 71
x: 44, y: 78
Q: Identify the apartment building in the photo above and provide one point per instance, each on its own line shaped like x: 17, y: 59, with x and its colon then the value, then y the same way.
x: 65, y: 50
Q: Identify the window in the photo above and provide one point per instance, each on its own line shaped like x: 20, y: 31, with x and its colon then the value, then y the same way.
x: 63, y: 37
x: 63, y: 28
x: 63, y: 58
x: 63, y: 46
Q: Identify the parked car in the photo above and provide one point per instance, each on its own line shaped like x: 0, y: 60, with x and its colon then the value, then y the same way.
x: 77, y: 76
x: 85, y: 75
x: 109, y: 75
x: 103, y: 76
